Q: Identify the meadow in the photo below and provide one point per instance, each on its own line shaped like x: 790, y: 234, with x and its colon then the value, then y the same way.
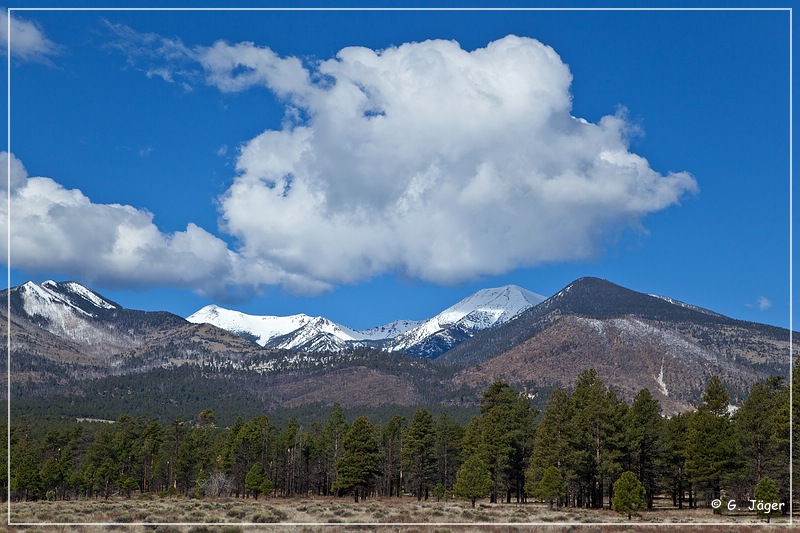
x: 329, y: 514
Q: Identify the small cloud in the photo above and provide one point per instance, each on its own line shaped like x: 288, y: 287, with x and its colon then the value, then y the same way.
x: 222, y: 150
x: 146, y: 151
x: 764, y: 303
x: 28, y: 42
x: 154, y: 55
x: 162, y: 73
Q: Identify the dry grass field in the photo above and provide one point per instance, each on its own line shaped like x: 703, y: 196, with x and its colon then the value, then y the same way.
x: 333, y: 515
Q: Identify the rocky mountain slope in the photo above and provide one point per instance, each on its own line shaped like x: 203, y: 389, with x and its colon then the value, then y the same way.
x: 633, y: 340
x: 69, y: 340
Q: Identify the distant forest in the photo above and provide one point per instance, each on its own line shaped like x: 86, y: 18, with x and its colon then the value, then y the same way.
x: 571, y: 453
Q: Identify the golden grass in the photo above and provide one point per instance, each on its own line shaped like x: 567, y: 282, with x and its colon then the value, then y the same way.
x: 406, y: 515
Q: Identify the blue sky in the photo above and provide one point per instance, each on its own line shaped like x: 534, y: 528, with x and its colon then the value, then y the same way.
x: 374, y: 165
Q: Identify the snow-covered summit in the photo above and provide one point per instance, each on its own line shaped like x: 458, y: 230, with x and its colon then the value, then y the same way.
x: 481, y: 310
x: 261, y: 328
x: 488, y: 307
x: 50, y: 299
x: 67, y: 308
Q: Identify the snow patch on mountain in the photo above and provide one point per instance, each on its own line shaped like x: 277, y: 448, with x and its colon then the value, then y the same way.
x: 390, y: 330
x: 686, y: 306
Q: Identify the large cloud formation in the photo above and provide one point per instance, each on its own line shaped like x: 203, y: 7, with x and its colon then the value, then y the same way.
x: 59, y: 229
x: 429, y: 160
x: 424, y: 160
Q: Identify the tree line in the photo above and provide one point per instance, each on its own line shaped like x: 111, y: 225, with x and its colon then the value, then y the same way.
x: 574, y: 452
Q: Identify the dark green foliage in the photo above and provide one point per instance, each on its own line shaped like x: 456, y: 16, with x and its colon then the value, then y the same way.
x: 503, y: 437
x: 710, y: 446
x: 550, y: 488
x: 765, y: 494
x: 574, y: 456
x: 552, y: 438
x: 419, y: 453
x: 254, y: 481
x: 629, y: 495
x: 358, y: 466
x: 761, y: 435
x: 391, y: 450
x: 439, y: 491
x: 673, y: 460
x: 449, y: 436
x: 644, y: 439
x: 473, y: 480
x: 597, y: 437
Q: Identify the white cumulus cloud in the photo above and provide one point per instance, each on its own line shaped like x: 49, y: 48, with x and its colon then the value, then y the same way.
x: 424, y: 159
x: 429, y: 160
x: 58, y: 229
x: 28, y: 41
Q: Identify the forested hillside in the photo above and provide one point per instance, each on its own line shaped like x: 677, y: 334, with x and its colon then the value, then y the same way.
x: 570, y: 453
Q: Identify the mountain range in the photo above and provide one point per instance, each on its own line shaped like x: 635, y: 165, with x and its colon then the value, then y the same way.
x: 420, y: 338
x: 86, y: 353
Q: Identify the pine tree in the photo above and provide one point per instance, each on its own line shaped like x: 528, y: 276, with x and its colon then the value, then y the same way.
x: 473, y: 480
x: 254, y: 479
x: 419, y: 453
x: 552, y: 440
x: 357, y: 467
x: 643, y: 436
x: 710, y: 446
x: 502, y: 435
x: 449, y: 435
x: 333, y: 437
x: 551, y: 488
x: 674, y: 457
x: 767, y: 493
x: 391, y: 451
x: 629, y: 495
x: 597, y: 433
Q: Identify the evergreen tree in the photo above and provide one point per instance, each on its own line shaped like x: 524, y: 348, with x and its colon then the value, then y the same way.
x: 449, y: 435
x: 643, y: 436
x: 254, y: 479
x: 439, y: 492
x: 357, y: 467
x: 291, y: 444
x: 629, y: 495
x: 391, y: 451
x: 710, y: 446
x: 552, y: 440
x: 597, y: 433
x: 419, y: 453
x: 761, y: 433
x: 767, y: 493
x: 551, y: 488
x: 333, y: 438
x: 502, y: 435
x: 674, y: 457
x: 473, y: 480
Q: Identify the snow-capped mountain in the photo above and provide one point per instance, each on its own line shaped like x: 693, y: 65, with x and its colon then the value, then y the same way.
x: 294, y: 332
x: 73, y: 312
x: 66, y: 309
x: 390, y: 330
x: 427, y: 338
x: 260, y: 329
x: 481, y: 310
